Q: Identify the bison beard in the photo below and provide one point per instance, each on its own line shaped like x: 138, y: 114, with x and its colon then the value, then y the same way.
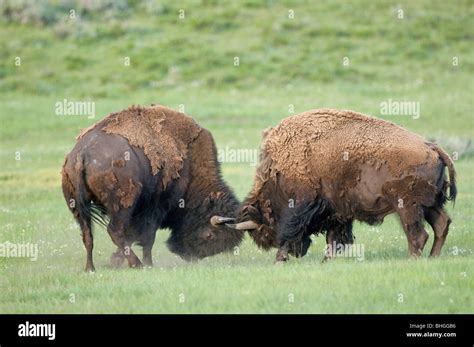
x: 338, y: 166
x: 147, y: 168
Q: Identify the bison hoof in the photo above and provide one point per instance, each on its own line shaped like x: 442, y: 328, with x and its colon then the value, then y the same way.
x: 326, y: 258
x: 136, y: 266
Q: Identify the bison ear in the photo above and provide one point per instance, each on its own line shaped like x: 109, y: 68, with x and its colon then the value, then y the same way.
x: 218, y: 220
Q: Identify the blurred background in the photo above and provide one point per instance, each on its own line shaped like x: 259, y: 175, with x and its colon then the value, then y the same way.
x: 237, y: 67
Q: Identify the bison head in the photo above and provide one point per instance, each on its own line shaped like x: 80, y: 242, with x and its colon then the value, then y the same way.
x: 204, y: 233
x: 259, y: 225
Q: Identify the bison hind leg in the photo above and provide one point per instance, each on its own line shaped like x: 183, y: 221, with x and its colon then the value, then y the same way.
x: 439, y: 221
x: 119, y: 222
x: 411, y: 217
x: 87, y: 238
x: 78, y: 201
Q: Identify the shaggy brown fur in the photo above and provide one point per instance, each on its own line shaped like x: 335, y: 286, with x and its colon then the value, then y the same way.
x: 147, y: 168
x: 163, y: 134
x: 337, y: 166
x: 330, y: 133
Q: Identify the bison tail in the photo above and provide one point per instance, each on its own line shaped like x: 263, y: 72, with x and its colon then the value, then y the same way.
x: 83, y: 205
x: 448, y: 162
x: 86, y: 209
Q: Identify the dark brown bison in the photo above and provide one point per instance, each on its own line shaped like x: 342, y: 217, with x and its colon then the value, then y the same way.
x: 147, y: 168
x: 323, y: 169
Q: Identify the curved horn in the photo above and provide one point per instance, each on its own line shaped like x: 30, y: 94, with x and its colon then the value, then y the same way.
x: 218, y: 220
x: 247, y: 225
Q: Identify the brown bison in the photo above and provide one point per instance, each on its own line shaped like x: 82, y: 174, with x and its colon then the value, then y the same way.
x: 323, y: 169
x: 146, y: 168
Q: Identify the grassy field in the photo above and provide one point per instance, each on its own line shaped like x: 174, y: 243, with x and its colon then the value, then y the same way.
x: 190, y: 62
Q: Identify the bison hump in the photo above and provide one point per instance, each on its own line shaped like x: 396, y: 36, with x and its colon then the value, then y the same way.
x: 163, y: 134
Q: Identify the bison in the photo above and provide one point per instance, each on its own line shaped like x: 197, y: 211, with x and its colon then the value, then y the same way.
x: 322, y: 169
x: 146, y: 168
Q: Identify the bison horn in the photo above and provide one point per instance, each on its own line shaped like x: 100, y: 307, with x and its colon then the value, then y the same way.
x: 217, y: 220
x: 247, y: 225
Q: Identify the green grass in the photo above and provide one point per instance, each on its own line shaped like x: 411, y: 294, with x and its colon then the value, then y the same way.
x: 190, y: 63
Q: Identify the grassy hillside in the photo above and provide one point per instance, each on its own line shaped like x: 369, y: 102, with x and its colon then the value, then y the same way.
x: 285, y: 66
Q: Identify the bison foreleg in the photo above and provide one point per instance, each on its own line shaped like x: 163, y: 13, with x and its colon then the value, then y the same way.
x: 338, y: 235
x: 296, y: 226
